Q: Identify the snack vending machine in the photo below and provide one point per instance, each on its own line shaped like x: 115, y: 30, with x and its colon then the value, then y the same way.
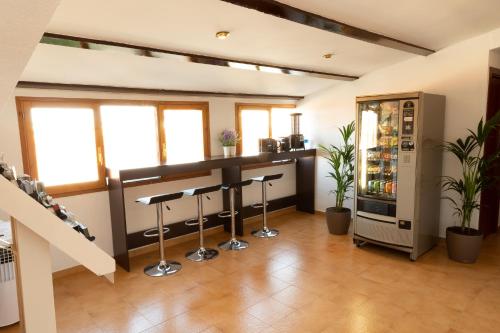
x: 398, y: 169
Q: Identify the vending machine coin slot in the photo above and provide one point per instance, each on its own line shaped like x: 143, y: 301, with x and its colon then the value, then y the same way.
x: 407, y: 145
x: 402, y: 224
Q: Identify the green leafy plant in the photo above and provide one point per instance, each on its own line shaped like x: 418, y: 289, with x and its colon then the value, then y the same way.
x: 341, y: 160
x: 473, y: 178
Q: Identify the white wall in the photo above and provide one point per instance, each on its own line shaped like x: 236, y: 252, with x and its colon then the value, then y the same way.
x: 495, y: 58
x: 93, y: 208
x: 22, y: 23
x: 460, y: 72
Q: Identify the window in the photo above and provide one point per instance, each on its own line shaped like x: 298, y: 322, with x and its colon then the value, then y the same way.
x: 255, y: 125
x: 68, y: 143
x: 63, y: 146
x: 256, y: 121
x: 186, y: 139
x: 281, y: 123
x: 130, y: 136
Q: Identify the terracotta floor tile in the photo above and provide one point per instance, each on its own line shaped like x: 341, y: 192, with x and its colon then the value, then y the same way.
x: 164, y: 310
x: 318, y: 283
x: 183, y: 323
x: 242, y: 322
x: 270, y: 310
x: 294, y: 297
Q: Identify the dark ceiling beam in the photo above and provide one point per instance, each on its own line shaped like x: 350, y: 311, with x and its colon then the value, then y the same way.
x: 297, y: 15
x: 102, y: 45
x: 145, y: 91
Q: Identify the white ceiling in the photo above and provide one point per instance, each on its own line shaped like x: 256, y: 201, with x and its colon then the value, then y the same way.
x: 69, y: 65
x: 19, y: 33
x: 190, y: 26
x: 429, y: 23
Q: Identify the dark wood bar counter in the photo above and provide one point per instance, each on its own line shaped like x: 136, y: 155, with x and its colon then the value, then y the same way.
x: 231, y: 172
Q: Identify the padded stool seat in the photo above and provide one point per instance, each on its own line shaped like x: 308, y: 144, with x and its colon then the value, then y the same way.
x: 202, y: 253
x: 237, y: 184
x: 267, y: 178
x: 160, y: 198
x: 163, y: 267
x: 233, y: 243
x: 201, y: 190
x: 265, y: 232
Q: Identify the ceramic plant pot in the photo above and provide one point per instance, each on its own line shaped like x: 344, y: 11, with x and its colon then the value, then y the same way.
x: 338, y: 220
x: 463, y: 246
x: 229, y: 151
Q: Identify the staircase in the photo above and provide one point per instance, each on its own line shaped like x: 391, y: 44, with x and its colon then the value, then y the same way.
x: 34, y: 230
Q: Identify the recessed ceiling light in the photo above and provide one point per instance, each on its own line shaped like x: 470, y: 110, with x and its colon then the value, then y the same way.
x: 222, y: 34
x: 328, y: 55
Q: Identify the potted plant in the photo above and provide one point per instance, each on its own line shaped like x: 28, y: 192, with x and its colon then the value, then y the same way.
x: 228, y: 138
x: 463, y: 242
x: 341, y: 160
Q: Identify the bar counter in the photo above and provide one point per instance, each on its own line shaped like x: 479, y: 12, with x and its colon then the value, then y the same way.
x: 231, y: 172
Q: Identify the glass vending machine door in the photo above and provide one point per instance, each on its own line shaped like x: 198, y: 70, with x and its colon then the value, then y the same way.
x: 378, y: 152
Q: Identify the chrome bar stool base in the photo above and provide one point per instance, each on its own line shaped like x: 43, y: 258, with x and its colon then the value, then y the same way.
x: 265, y: 233
x: 163, y: 268
x: 233, y: 244
x: 202, y: 254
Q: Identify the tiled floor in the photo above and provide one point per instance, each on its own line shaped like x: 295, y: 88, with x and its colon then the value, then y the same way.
x: 303, y: 281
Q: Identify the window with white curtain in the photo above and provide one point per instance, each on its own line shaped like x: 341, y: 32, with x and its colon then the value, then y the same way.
x: 68, y: 143
x: 260, y: 121
x: 130, y: 136
x: 184, y: 135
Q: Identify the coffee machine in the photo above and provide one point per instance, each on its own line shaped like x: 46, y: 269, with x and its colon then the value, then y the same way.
x: 268, y: 145
x: 296, y: 139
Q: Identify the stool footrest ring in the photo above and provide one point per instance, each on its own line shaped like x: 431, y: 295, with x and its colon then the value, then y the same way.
x: 226, y: 214
x: 194, y: 221
x: 153, y: 232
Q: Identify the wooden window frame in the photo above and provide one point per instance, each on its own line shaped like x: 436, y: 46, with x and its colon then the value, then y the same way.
x: 24, y: 105
x: 238, y: 126
x: 29, y: 151
x: 204, y: 107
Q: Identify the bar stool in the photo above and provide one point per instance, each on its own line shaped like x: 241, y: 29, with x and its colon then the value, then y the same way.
x: 233, y: 243
x: 164, y: 267
x: 265, y: 232
x: 202, y: 253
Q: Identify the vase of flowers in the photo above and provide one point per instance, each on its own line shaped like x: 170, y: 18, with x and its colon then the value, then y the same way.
x: 228, y: 138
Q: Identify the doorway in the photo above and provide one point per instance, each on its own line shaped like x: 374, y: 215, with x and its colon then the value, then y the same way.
x: 490, y: 197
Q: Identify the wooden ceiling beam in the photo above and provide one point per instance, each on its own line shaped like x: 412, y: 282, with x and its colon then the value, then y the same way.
x: 281, y: 10
x: 102, y: 45
x: 146, y: 91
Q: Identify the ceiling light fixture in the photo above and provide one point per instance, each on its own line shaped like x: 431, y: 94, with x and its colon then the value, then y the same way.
x: 328, y: 55
x: 222, y: 34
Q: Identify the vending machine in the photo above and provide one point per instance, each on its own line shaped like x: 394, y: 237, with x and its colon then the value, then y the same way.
x: 398, y: 170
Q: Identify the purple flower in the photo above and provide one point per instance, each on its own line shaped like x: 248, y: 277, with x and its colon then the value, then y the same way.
x: 228, y: 137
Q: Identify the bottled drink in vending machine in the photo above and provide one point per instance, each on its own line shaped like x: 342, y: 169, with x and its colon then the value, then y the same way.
x: 370, y: 186
x: 388, y: 187
x: 381, y: 187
